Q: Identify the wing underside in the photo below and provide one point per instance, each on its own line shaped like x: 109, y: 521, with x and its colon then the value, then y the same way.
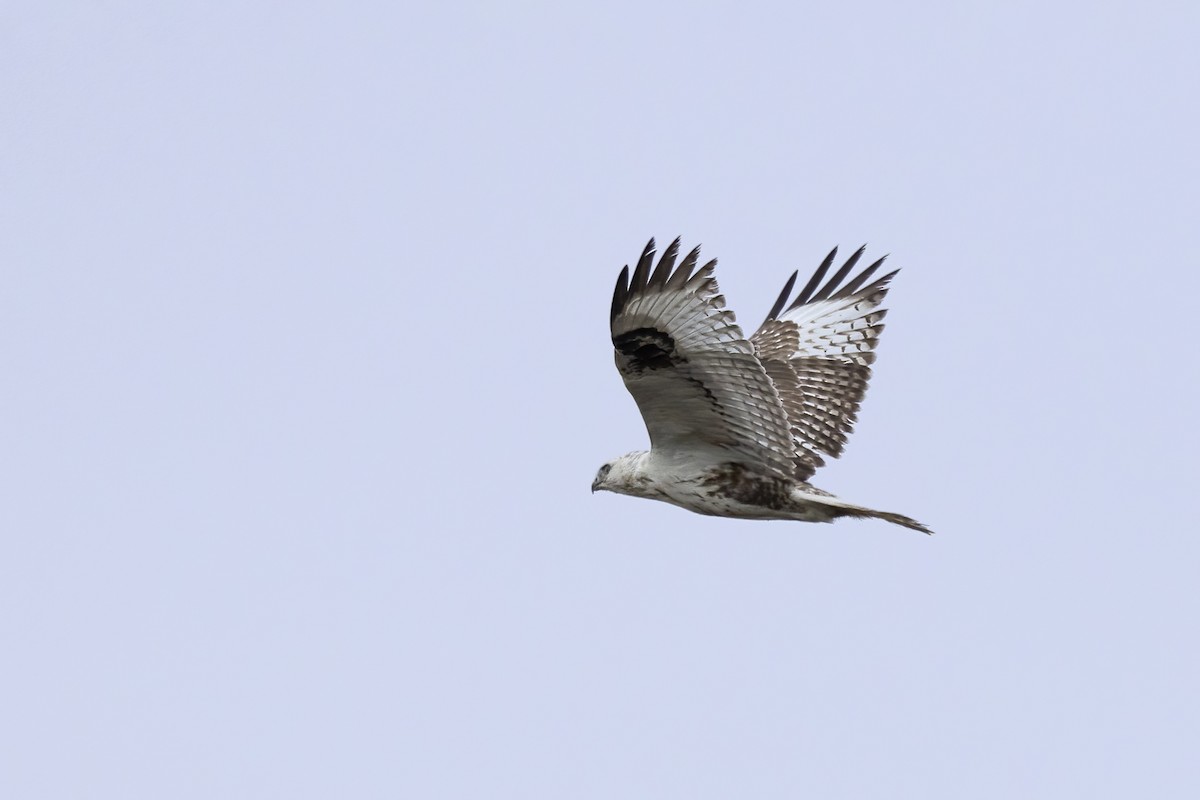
x: 696, y: 379
x: 817, y: 350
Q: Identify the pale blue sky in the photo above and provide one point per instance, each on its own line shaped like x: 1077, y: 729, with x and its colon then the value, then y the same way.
x: 304, y: 329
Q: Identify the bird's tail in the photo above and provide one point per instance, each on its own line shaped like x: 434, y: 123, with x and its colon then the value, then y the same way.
x: 898, y: 519
x: 841, y: 508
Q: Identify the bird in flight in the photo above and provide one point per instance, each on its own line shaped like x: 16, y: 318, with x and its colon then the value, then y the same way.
x: 738, y: 426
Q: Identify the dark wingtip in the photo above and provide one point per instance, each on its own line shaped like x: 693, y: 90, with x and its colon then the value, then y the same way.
x: 806, y: 293
x: 681, y: 275
x: 831, y: 285
x: 642, y: 271
x: 783, y: 298
x: 620, y: 292
x: 665, y: 264
x: 853, y: 286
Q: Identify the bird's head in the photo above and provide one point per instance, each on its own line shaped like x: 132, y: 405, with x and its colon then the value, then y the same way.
x: 619, y: 475
x: 601, y: 477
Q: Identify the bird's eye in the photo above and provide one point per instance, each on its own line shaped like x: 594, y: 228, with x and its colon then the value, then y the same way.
x: 604, y: 470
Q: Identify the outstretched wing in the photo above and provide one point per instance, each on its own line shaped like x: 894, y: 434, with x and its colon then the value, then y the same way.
x: 695, y: 377
x: 818, y: 352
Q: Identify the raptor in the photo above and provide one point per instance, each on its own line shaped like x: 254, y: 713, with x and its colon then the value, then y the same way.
x: 739, y: 425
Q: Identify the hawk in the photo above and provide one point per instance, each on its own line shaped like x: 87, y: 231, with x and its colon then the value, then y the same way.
x: 738, y: 426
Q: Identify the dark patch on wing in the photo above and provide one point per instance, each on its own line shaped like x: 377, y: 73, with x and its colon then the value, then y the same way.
x: 737, y: 482
x: 647, y: 348
x: 699, y: 384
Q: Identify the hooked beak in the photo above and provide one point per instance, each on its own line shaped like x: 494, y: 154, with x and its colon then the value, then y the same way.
x: 595, y: 486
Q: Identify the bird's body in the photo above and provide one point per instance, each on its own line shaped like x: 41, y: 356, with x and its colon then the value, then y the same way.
x: 738, y: 425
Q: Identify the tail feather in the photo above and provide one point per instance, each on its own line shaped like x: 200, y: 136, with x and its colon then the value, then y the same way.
x: 841, y: 509
x: 899, y: 519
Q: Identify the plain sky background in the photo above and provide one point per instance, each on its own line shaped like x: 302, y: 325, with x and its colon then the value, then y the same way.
x: 307, y: 373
